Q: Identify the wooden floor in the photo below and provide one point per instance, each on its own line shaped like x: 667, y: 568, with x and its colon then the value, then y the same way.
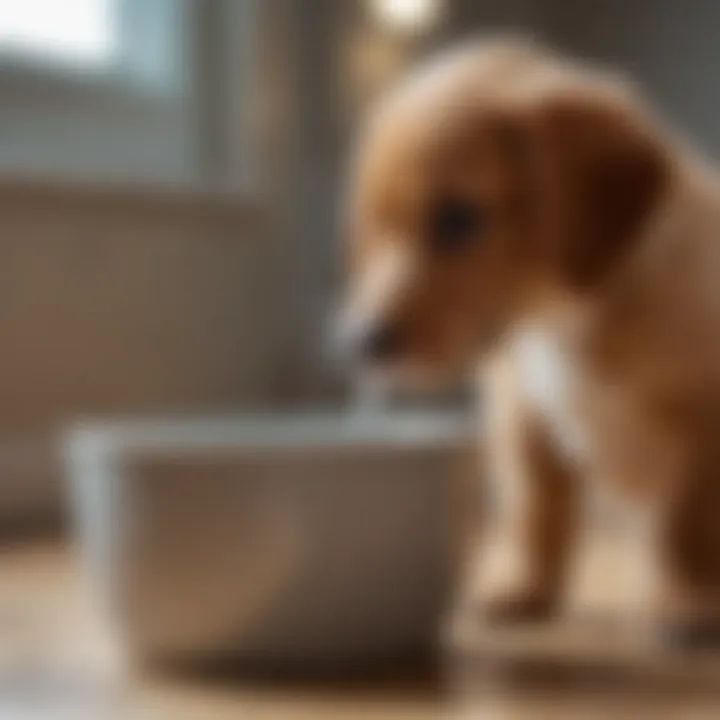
x: 56, y: 663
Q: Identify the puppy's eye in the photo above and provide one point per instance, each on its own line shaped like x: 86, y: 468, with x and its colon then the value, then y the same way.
x: 454, y: 224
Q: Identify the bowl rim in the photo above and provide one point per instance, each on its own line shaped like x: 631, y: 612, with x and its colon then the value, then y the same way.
x: 328, y: 431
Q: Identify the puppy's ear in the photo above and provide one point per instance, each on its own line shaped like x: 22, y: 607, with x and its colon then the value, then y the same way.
x: 604, y: 173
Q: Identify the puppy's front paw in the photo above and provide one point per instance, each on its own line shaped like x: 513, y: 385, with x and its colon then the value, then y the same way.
x: 519, y: 606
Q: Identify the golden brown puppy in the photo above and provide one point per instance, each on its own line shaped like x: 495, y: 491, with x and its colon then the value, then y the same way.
x: 518, y: 213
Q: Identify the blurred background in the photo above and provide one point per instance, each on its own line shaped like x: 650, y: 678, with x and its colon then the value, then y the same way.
x: 170, y: 175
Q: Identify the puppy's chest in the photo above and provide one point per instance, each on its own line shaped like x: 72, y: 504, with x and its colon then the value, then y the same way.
x: 595, y: 421
x: 549, y: 382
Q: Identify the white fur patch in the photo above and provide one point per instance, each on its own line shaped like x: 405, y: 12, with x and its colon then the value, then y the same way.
x: 547, y: 378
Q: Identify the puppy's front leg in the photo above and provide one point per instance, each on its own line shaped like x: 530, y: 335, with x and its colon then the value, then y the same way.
x: 534, y: 513
x: 689, y: 600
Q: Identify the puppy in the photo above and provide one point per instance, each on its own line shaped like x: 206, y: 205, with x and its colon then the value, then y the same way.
x: 528, y: 218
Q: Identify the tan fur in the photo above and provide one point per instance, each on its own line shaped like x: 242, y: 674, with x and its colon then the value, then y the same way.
x: 601, y: 253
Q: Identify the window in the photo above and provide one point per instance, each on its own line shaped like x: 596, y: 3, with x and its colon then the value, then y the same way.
x: 79, y: 32
x: 143, y: 40
x: 123, y: 90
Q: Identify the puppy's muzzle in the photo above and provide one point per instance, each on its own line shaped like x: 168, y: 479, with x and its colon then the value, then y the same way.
x: 377, y: 344
x: 367, y: 332
x: 373, y: 343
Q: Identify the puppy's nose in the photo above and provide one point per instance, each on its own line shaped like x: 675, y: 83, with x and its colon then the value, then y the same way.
x: 380, y: 342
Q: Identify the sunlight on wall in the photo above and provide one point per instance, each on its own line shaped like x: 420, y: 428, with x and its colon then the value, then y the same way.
x: 407, y: 15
